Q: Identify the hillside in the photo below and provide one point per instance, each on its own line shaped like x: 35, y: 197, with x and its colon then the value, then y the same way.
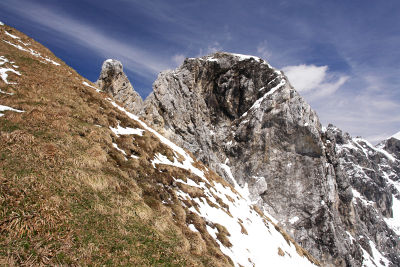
x: 85, y: 182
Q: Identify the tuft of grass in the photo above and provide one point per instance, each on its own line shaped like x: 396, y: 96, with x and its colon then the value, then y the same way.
x: 8, y: 126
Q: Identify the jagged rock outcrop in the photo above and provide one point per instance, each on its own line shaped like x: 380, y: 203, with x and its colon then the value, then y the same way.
x: 373, y: 218
x: 113, y: 81
x: 392, y: 145
x: 243, y: 118
x: 237, y: 111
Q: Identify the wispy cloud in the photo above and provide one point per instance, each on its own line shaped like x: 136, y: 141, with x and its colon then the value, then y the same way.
x: 211, y: 48
x: 263, y: 50
x: 178, y: 59
x: 134, y: 58
x: 313, y: 80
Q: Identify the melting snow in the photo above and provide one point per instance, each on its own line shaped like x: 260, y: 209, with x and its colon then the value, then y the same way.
x: 259, y: 246
x: 270, y: 92
x: 2, y: 92
x: 192, y: 227
x: 5, y: 108
x: 254, y: 238
x: 32, y: 52
x: 11, y: 35
x: 394, y: 222
x: 3, y: 71
x: 186, y: 164
x: 397, y: 136
x: 376, y: 258
x: 126, y: 131
x: 97, y: 89
x: 119, y: 149
x: 1, y: 23
x: 294, y: 219
x: 387, y: 155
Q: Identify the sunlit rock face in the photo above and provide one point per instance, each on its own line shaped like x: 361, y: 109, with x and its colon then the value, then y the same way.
x: 113, y: 81
x: 242, y: 118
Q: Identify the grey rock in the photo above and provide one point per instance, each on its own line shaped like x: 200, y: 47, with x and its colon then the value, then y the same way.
x: 373, y: 173
x: 238, y: 114
x: 114, y: 82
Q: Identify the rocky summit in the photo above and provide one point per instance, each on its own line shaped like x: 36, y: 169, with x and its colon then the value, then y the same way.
x: 336, y: 195
x: 114, y: 81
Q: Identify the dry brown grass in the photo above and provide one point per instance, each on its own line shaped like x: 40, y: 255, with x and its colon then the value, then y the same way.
x: 68, y: 197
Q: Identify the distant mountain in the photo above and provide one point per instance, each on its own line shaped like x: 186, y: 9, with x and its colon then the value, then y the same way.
x: 83, y: 181
x: 337, y: 196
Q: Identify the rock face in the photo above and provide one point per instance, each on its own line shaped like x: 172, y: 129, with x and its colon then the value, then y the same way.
x: 242, y: 118
x: 113, y: 81
x: 373, y: 216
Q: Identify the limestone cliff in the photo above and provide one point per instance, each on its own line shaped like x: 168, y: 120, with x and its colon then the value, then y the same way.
x: 113, y: 81
x: 242, y: 118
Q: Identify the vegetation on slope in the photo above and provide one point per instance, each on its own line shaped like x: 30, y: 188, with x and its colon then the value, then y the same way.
x: 69, y: 195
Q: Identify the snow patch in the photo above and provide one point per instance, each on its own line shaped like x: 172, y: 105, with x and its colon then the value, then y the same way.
x: 3, y: 71
x: 1, y: 23
x: 95, y: 88
x: 192, y: 228
x: 33, y: 53
x: 396, y: 135
x: 126, y: 131
x: 254, y: 240
x: 374, y: 260
x: 12, y: 35
x: 385, y: 153
x: 394, y: 222
x: 2, y: 92
x: 294, y: 219
x: 270, y: 92
x: 5, y: 108
x: 352, y: 239
x: 119, y: 149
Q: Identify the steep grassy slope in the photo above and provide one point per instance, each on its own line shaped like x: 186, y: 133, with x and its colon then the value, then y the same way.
x: 83, y: 182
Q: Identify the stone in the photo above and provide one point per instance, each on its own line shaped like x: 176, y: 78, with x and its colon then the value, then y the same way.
x: 114, y: 82
x: 241, y: 117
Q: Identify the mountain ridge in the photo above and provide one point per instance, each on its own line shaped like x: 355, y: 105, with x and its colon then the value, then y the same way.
x: 215, y: 104
x: 85, y: 182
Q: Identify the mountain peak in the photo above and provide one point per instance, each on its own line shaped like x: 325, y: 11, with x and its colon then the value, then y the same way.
x: 229, y: 58
x: 396, y: 135
x: 114, y: 82
x: 111, y: 67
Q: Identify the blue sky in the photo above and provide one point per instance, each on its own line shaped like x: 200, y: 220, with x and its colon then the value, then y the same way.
x: 342, y: 56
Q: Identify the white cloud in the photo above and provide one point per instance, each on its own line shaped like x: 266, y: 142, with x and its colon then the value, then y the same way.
x: 305, y: 77
x: 134, y: 58
x: 314, y: 81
